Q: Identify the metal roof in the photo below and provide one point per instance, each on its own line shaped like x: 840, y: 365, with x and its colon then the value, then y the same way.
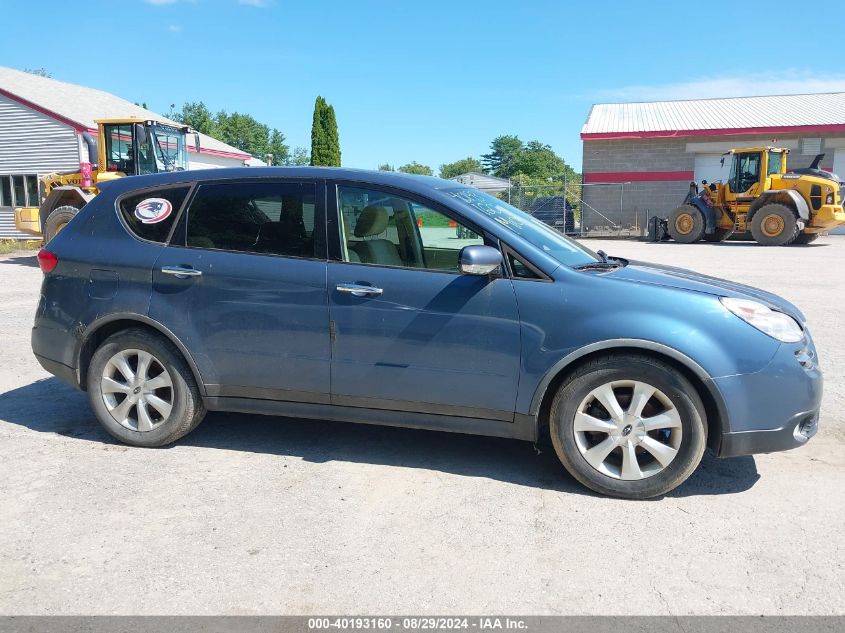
x: 484, y: 182
x: 820, y: 113
x: 78, y: 106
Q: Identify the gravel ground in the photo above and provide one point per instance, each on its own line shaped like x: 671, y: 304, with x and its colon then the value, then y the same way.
x: 263, y: 515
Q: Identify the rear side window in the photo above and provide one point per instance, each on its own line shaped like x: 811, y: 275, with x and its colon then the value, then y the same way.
x: 150, y: 215
x: 254, y: 217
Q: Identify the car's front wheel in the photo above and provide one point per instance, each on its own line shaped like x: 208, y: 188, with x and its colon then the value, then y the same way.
x: 142, y: 390
x: 628, y: 426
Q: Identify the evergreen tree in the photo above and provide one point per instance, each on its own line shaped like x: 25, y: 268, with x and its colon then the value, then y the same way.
x: 325, y: 145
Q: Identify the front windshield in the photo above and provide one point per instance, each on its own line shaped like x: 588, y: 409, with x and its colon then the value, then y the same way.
x: 164, y: 150
x: 540, y: 235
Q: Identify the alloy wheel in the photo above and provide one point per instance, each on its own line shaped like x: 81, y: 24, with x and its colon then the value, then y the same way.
x: 137, y: 390
x: 628, y: 430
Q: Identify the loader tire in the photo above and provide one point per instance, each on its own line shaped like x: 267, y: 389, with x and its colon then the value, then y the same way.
x: 57, y: 220
x: 686, y: 224
x: 774, y: 225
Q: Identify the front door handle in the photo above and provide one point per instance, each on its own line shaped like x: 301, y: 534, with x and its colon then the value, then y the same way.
x: 182, y: 272
x: 359, y: 290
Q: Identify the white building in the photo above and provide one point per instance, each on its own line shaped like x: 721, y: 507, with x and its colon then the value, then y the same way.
x: 41, y: 125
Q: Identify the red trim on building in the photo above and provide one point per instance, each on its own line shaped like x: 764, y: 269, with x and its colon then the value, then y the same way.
x: 637, y: 176
x: 832, y: 128
x: 34, y: 106
x: 217, y: 152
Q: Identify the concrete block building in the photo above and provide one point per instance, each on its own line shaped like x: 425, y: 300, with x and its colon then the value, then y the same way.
x: 41, y: 125
x: 639, y: 158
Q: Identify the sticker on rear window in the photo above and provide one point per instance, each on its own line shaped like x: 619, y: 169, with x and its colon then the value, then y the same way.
x: 153, y: 210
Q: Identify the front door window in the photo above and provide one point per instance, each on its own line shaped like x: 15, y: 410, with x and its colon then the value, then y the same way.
x: 387, y: 230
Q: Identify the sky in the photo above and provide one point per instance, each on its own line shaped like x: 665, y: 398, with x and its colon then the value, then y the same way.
x: 429, y: 81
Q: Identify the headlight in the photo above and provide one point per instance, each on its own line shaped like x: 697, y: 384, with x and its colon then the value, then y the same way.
x: 778, y: 325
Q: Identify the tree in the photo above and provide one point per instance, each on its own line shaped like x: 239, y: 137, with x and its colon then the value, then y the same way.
x: 503, y: 149
x: 450, y: 170
x: 386, y: 167
x: 299, y: 156
x: 197, y: 116
x: 244, y: 132
x: 325, y: 145
x: 278, y: 148
x: 536, y: 160
x: 415, y: 168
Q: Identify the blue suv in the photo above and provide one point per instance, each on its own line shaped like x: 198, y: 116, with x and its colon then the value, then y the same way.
x: 349, y: 295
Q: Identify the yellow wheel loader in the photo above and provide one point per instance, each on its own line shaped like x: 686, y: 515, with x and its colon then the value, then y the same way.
x: 124, y: 147
x: 777, y: 206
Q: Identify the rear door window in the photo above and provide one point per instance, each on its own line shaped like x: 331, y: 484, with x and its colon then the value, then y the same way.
x: 150, y: 214
x: 271, y: 218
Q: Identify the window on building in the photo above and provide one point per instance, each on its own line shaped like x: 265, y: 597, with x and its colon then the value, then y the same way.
x: 19, y: 189
x: 6, y: 192
x: 254, y: 217
x: 32, y: 188
x: 150, y: 215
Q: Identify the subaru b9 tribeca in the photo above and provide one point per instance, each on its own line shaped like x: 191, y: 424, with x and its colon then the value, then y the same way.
x: 411, y: 301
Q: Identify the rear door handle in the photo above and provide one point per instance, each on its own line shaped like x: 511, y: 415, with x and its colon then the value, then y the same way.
x: 182, y: 272
x: 359, y: 290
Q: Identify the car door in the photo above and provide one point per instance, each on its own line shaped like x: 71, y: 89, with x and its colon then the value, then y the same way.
x: 410, y: 332
x: 243, y: 285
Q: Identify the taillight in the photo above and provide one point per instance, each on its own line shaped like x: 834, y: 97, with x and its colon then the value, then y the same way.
x: 47, y: 260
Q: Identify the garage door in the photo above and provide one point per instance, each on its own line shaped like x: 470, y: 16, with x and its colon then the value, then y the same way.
x: 839, y: 163
x: 708, y: 167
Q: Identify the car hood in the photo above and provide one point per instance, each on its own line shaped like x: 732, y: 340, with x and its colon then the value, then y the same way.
x: 670, y: 277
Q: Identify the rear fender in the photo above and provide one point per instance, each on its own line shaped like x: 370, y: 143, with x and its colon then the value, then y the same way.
x: 67, y: 195
x: 788, y: 197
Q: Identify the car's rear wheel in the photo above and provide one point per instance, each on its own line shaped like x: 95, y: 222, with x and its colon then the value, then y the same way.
x: 142, y: 390
x: 628, y: 426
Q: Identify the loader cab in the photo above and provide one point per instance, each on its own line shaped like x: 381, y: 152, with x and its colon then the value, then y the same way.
x: 752, y: 168
x: 131, y: 147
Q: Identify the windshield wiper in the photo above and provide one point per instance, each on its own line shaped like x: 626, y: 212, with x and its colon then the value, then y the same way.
x: 599, y: 266
x: 604, y: 264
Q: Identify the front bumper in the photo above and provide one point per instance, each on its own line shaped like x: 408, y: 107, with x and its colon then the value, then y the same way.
x: 774, y: 409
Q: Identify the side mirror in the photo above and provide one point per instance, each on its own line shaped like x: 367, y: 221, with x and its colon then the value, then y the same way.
x: 479, y: 260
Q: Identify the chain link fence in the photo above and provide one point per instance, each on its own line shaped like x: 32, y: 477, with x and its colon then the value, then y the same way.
x: 589, y: 209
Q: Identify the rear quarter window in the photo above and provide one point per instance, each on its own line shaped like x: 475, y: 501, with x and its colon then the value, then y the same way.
x: 150, y: 215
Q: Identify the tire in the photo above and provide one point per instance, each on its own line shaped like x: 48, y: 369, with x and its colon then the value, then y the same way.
x: 806, y: 238
x: 56, y: 221
x: 160, y: 426
x: 774, y: 225
x: 680, y: 445
x: 686, y: 224
x: 719, y: 235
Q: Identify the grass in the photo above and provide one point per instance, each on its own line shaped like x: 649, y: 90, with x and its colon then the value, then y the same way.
x: 12, y: 246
